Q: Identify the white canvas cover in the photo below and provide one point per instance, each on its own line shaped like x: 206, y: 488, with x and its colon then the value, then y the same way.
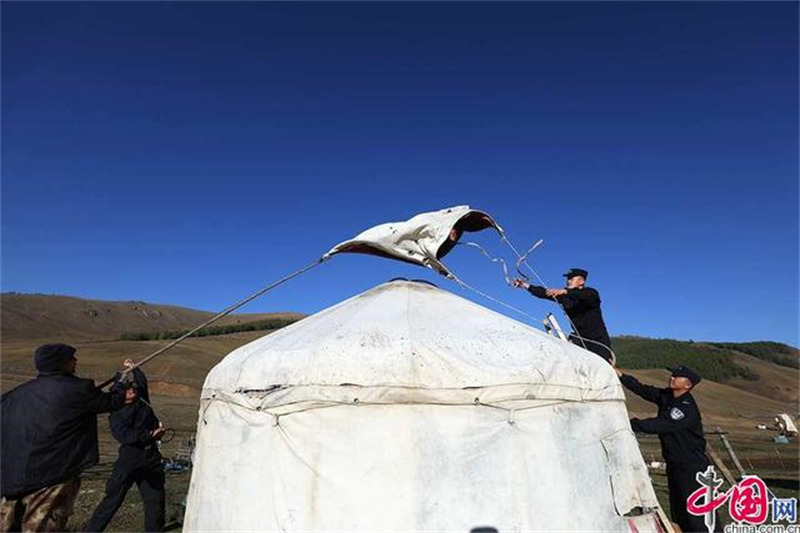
x: 408, y: 408
x: 423, y: 239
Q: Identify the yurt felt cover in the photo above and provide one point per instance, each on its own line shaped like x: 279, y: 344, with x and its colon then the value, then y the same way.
x: 408, y: 408
x: 423, y: 239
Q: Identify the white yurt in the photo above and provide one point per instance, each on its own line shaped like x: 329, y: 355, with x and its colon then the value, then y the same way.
x: 408, y: 408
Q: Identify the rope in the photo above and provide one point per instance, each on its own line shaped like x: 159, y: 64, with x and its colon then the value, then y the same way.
x: 216, y: 317
x: 509, y: 306
x: 328, y: 404
x: 492, y: 298
x: 492, y: 259
x: 613, y: 355
x: 164, y: 439
x: 523, y: 259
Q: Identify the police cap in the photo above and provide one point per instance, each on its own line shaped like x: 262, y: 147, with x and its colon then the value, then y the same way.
x: 683, y: 371
x: 572, y: 272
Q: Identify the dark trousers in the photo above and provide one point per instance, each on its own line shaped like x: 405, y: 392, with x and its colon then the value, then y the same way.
x: 682, y: 482
x: 140, y: 466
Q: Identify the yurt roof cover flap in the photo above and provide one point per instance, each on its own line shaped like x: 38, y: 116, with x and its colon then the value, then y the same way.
x: 414, y: 335
x: 423, y: 239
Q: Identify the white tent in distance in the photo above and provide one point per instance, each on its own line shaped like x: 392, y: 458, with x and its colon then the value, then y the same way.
x: 408, y: 408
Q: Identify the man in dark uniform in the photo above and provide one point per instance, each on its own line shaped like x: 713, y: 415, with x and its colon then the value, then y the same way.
x: 582, y: 305
x: 49, y: 436
x: 680, y: 430
x: 138, y: 430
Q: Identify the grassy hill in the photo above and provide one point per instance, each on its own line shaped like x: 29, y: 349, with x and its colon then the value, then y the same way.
x: 68, y: 319
x: 715, y: 360
x: 709, y: 361
x: 765, y: 368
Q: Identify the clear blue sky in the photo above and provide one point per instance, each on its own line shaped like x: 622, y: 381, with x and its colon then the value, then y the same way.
x: 189, y: 153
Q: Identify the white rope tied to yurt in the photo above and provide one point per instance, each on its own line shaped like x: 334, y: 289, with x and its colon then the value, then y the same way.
x: 492, y: 298
x: 304, y: 406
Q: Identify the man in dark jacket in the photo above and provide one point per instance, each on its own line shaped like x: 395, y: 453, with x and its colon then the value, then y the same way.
x: 680, y: 429
x: 48, y: 437
x: 582, y: 305
x: 138, y: 430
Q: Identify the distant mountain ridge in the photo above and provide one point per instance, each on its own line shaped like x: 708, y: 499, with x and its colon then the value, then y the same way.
x: 40, y: 317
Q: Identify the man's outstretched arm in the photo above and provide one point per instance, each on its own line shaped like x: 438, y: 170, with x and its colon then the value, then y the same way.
x: 535, y: 290
x: 646, y: 392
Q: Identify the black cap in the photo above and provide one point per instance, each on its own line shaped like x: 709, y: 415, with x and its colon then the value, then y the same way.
x: 53, y: 357
x: 685, y: 372
x: 572, y: 272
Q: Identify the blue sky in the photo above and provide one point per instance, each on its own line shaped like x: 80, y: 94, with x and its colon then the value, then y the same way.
x: 191, y: 152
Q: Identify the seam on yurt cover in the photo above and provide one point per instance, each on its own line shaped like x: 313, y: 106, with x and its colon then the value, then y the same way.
x: 302, y: 406
x: 276, y: 387
x: 281, y: 398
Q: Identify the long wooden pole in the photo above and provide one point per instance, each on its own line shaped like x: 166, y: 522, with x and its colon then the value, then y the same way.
x: 216, y: 317
x: 720, y: 465
x: 735, y: 459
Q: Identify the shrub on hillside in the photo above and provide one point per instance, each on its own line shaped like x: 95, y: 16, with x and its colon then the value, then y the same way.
x: 256, y: 325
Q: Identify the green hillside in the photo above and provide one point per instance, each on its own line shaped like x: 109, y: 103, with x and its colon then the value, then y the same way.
x: 713, y: 360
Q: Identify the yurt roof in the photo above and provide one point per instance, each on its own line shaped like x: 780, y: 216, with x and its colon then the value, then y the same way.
x: 415, y: 336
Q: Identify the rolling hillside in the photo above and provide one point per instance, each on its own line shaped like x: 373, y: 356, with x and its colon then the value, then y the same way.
x: 768, y: 370
x: 39, y: 317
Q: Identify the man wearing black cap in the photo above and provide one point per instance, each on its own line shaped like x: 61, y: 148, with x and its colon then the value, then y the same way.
x: 582, y: 305
x: 138, y: 430
x: 680, y: 430
x: 48, y: 437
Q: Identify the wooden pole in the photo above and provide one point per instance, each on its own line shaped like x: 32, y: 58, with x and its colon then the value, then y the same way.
x: 728, y: 447
x: 720, y: 465
x: 665, y: 522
